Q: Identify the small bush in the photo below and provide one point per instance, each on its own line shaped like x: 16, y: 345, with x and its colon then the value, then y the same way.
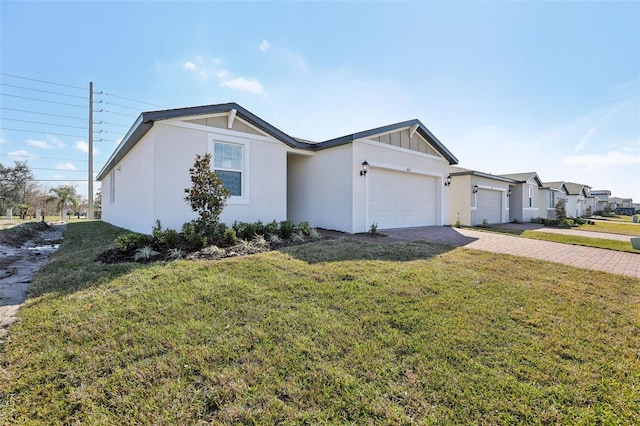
x: 194, y: 239
x: 170, y: 238
x: 373, y: 229
x: 156, y: 230
x: 304, y: 228
x: 275, y: 239
x: 314, y: 234
x: 132, y: 241
x: 229, y: 238
x: 271, y: 228
x: 244, y: 230
x: 286, y: 229
x: 144, y: 253
x: 297, y: 237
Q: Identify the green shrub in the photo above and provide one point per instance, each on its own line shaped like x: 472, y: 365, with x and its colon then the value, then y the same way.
x: 194, y: 239
x: 156, y: 230
x: 286, y: 229
x: 373, y: 229
x: 304, y: 228
x: 271, y: 228
x: 244, y: 230
x: 132, y: 241
x: 170, y: 238
x: 229, y: 238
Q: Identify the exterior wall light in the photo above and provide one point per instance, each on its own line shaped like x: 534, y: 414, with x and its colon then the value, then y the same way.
x: 509, y: 193
x: 475, y: 189
x: 447, y: 182
x: 365, y: 168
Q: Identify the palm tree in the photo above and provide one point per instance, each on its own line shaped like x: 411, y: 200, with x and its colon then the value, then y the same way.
x: 65, y: 196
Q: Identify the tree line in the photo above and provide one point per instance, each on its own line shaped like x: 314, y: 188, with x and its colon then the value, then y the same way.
x: 21, y: 192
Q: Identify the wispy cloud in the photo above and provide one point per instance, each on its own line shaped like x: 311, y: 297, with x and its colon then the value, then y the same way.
x: 83, y: 146
x: 22, y: 155
x: 51, y: 143
x: 66, y: 166
x: 596, y: 161
x: 245, y: 85
x: 264, y: 46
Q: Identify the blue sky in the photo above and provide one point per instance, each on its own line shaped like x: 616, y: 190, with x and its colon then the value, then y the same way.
x: 508, y: 87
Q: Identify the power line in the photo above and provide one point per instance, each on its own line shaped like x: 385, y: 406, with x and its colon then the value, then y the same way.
x: 42, y: 91
x: 43, y: 81
x: 44, y: 113
x: 46, y: 124
x: 44, y: 100
x: 43, y: 133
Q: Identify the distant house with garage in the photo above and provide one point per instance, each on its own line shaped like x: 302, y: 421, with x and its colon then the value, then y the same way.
x: 393, y: 176
x: 479, y: 198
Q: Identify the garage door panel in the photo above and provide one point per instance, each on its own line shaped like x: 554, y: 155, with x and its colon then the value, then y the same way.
x: 400, y: 199
x: 489, y: 206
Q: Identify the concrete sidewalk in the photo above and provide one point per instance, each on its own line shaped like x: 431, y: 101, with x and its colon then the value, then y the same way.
x: 615, y: 262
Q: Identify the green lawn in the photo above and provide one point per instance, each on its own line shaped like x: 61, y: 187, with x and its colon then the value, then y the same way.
x: 333, y: 332
x: 578, y: 240
x: 627, y: 228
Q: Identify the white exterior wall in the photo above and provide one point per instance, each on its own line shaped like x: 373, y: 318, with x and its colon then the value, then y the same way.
x: 460, y: 200
x: 132, y: 206
x: 575, y: 205
x: 519, y: 202
x: 157, y: 170
x: 320, y: 188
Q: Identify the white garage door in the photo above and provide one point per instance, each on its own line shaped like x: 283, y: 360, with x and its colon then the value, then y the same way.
x: 489, y: 206
x: 399, y: 199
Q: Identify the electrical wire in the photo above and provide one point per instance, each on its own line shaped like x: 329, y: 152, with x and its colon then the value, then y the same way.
x: 44, y: 81
x: 44, y: 100
x: 45, y: 124
x: 42, y: 91
x: 44, y: 113
x: 43, y: 133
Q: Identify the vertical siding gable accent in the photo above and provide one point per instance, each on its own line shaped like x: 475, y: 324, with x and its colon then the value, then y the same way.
x: 221, y: 122
x: 404, y: 139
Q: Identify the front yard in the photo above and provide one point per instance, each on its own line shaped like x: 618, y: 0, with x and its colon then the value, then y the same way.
x: 330, y: 332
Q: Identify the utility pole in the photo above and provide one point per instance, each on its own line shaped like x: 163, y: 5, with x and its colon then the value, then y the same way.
x: 90, y: 177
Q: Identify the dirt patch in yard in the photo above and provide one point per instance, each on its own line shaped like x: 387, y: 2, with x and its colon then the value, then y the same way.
x: 24, y: 249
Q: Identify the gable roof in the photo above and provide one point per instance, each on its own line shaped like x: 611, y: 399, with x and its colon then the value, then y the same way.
x: 460, y: 171
x: 555, y: 186
x: 146, y: 120
x: 576, y: 188
x: 524, y: 177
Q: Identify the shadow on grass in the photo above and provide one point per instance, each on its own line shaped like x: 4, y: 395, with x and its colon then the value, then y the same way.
x: 347, y: 249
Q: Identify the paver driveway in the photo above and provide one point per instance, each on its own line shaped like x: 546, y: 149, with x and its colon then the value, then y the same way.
x: 615, y: 262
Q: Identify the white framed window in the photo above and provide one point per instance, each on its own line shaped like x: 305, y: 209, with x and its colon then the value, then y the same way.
x: 230, y: 162
x: 530, y: 196
x: 228, y: 165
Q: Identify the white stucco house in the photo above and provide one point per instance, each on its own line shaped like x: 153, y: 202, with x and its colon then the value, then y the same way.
x: 577, y: 196
x: 550, y: 194
x: 477, y: 197
x: 525, y: 197
x: 272, y: 175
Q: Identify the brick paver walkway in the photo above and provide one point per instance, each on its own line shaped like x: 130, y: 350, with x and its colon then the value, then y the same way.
x: 615, y: 262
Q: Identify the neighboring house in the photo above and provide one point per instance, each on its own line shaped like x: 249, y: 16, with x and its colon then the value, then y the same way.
x: 273, y: 176
x: 477, y: 197
x: 550, y: 194
x: 616, y: 202
x: 577, y: 195
x: 525, y: 197
x: 602, y: 198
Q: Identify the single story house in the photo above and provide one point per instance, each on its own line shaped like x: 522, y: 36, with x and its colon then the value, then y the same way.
x: 602, y: 198
x: 577, y: 195
x: 525, y: 197
x: 550, y: 194
x: 478, y: 197
x: 393, y: 176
